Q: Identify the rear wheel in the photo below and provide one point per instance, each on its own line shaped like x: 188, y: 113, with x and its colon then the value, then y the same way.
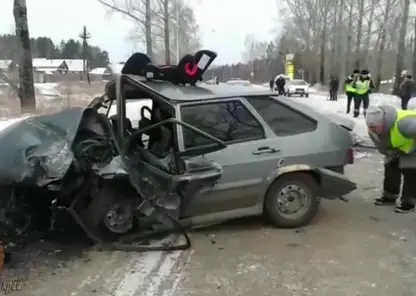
x: 292, y: 200
x: 307, y: 95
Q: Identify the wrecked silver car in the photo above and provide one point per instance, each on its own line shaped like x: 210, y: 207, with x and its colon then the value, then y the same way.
x: 125, y: 179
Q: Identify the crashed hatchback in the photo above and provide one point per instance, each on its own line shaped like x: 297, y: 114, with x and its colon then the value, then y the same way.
x: 158, y: 153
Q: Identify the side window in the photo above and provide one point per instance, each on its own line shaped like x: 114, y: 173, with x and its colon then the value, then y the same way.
x: 229, y: 121
x: 283, y: 120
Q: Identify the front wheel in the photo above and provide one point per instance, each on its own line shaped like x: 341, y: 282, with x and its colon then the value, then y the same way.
x: 292, y: 200
x: 307, y: 95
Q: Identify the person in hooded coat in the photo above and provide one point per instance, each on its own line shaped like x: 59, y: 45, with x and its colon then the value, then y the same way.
x: 271, y: 84
x: 363, y: 87
x: 333, y: 88
x: 349, y: 89
x: 393, y: 132
x: 405, y: 91
x: 280, y: 84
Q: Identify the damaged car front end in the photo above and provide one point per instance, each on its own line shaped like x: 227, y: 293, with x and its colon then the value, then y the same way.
x: 121, y: 184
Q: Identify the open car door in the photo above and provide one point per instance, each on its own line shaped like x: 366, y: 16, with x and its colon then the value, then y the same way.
x: 169, y: 181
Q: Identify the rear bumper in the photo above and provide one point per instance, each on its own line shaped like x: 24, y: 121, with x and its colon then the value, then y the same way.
x: 333, y: 184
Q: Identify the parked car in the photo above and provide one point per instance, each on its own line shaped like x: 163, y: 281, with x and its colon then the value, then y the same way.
x: 297, y: 87
x: 152, y: 156
x: 239, y: 82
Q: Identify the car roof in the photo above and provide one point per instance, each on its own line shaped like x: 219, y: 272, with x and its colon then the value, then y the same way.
x: 179, y: 94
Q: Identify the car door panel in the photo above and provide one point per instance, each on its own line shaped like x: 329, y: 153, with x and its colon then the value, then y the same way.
x: 245, y: 164
x: 244, y: 178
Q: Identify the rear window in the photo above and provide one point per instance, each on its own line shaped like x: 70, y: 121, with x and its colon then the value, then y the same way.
x: 298, y: 82
x: 282, y: 119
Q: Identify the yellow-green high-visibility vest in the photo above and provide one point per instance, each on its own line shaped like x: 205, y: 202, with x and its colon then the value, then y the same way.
x: 398, y: 141
x: 361, y: 87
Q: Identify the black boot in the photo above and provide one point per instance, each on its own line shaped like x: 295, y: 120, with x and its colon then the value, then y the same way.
x: 356, y: 114
x: 386, y: 200
x: 405, y: 208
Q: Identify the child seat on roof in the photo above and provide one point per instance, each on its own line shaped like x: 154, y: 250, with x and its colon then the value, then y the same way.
x: 188, y: 71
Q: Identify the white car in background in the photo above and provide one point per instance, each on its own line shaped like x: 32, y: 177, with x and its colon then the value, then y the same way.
x: 239, y: 82
x: 297, y: 87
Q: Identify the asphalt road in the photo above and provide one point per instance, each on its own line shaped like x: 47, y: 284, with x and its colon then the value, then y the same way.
x: 352, y: 248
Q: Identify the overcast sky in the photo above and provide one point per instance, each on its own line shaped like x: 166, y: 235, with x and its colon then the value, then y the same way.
x: 224, y: 24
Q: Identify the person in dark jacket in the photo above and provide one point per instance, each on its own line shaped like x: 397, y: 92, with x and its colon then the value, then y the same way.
x: 405, y: 91
x: 363, y: 87
x: 349, y: 89
x: 280, y: 84
x: 333, y: 88
x: 271, y: 83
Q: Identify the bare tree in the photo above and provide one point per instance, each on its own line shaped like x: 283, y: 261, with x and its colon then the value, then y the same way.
x: 27, y: 89
x: 401, y: 45
x: 140, y: 12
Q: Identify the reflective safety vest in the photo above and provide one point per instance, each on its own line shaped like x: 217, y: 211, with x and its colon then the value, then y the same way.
x: 361, y: 87
x: 349, y: 88
x: 397, y: 140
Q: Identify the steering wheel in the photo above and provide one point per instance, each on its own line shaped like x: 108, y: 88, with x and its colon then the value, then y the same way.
x: 143, y: 109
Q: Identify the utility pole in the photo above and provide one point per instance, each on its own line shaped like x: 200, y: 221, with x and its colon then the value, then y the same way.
x: 177, y: 32
x: 84, y: 35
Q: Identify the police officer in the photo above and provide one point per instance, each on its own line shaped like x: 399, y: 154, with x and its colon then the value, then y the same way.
x: 349, y: 89
x: 393, y: 132
x: 363, y: 87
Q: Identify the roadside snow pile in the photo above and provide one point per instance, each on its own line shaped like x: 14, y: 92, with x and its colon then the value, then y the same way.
x: 47, y: 89
x: 359, y: 134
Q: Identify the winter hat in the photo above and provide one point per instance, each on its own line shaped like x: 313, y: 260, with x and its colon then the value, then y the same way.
x: 356, y: 71
x: 364, y: 72
x: 375, y: 116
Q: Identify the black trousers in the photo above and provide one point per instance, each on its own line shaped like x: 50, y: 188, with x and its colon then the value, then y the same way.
x: 405, y: 101
x: 393, y: 179
x: 350, y: 97
x: 333, y: 95
x: 358, y: 99
x: 281, y: 90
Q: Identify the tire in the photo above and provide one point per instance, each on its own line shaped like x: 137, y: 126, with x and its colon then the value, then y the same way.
x: 308, y: 188
x: 307, y: 95
x: 288, y: 94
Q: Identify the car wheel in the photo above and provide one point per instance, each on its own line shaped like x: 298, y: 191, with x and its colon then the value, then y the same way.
x: 307, y: 95
x: 292, y: 200
x: 288, y: 94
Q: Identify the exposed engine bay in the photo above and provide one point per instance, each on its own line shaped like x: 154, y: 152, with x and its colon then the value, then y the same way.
x: 71, y: 161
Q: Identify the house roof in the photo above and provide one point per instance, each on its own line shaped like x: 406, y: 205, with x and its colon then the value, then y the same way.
x: 75, y: 64
x: 47, y: 63
x: 98, y: 71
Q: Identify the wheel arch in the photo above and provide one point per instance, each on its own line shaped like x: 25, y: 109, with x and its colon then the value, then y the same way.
x: 291, y: 169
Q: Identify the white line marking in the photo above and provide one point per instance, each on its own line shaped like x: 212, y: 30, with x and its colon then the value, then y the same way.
x: 178, y: 277
x: 164, y: 271
x: 134, y: 279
